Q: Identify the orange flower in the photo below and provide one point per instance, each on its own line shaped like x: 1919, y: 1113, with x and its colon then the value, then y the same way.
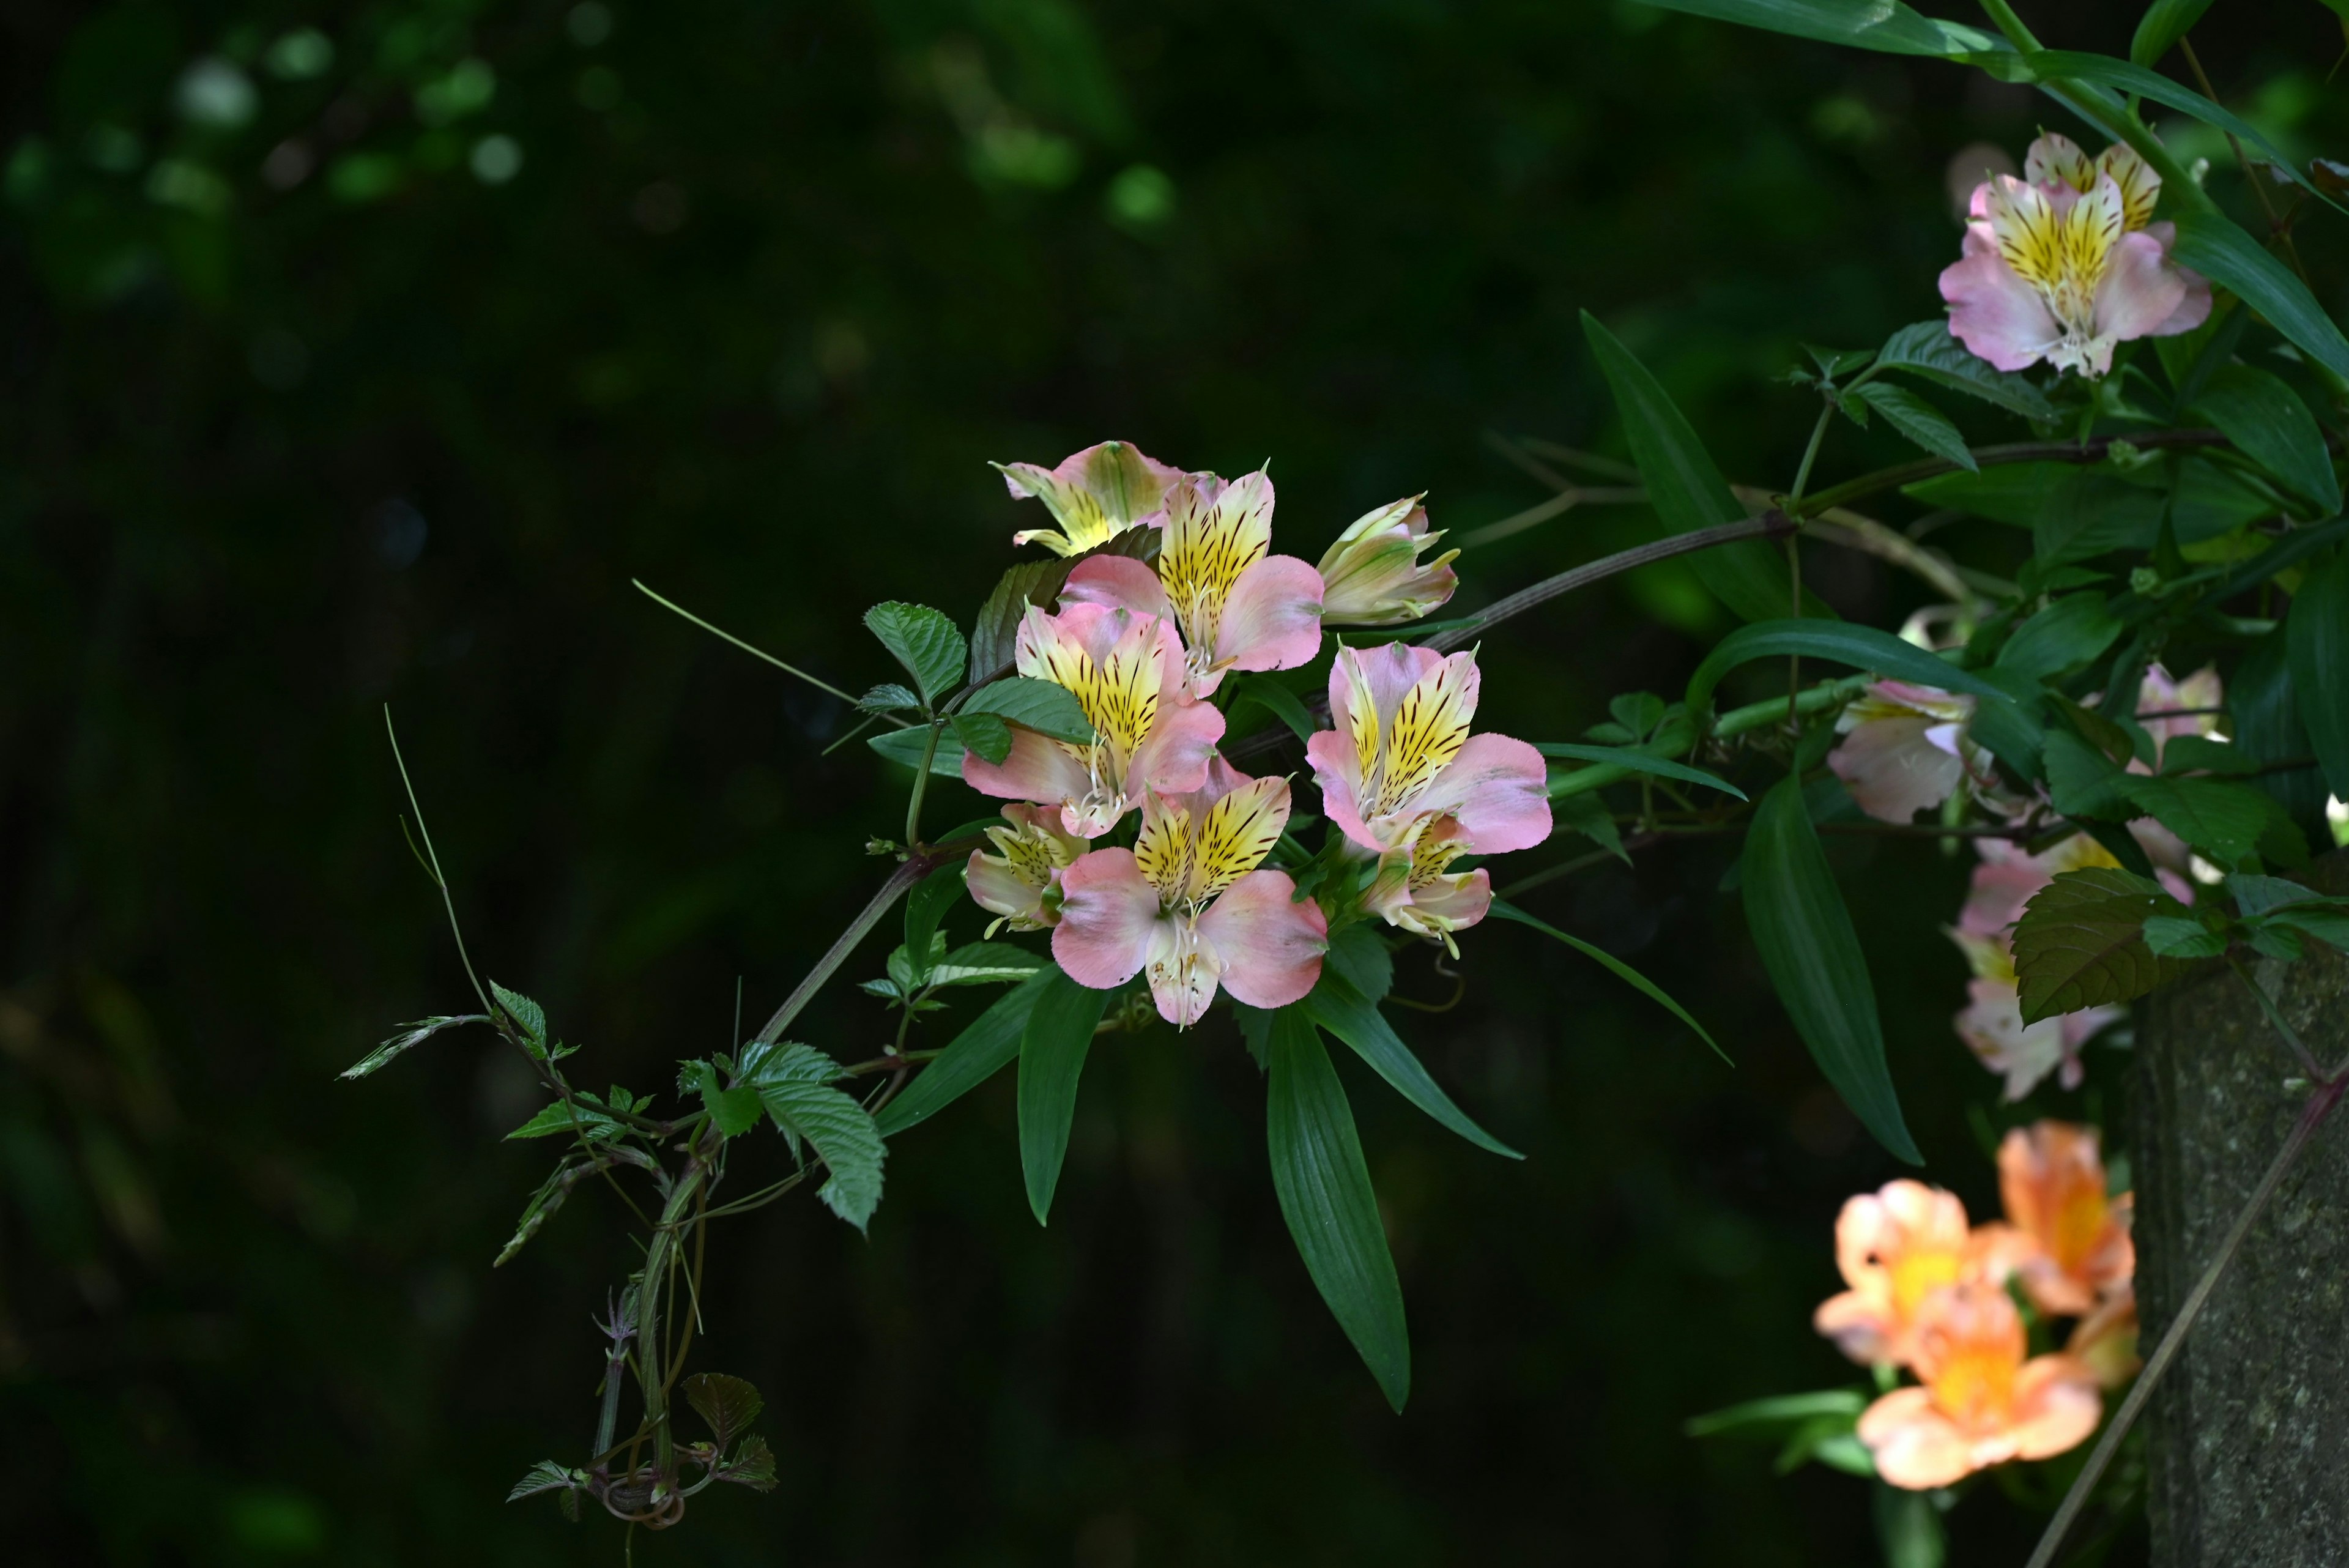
x: 2052, y: 1181
x: 1895, y: 1247
x: 1981, y: 1403
x: 2106, y: 1340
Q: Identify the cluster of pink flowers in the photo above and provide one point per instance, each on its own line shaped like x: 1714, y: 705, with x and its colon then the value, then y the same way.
x: 1144, y: 648
x: 1908, y: 749
x: 1929, y: 1294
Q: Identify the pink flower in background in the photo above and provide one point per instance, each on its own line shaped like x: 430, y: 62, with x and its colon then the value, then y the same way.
x: 1239, y: 606
x: 1094, y: 496
x: 1021, y: 882
x: 1372, y: 575
x: 1189, y: 903
x: 1401, y: 756
x: 1126, y: 673
x: 1415, y: 889
x: 2066, y: 262
x: 1981, y: 1403
x: 1991, y: 1024
x: 1906, y: 749
x: 2175, y: 703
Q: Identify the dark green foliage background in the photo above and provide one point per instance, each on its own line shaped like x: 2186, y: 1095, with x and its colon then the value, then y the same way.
x: 748, y: 324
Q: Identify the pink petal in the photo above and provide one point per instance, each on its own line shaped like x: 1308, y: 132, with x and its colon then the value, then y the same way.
x: 1117, y: 582
x: 996, y: 887
x: 1271, y: 947
x: 1184, y: 974
x: 1173, y: 758
x: 1499, y: 789
x: 1273, y: 618
x: 1892, y: 771
x: 1338, y: 770
x: 2141, y: 289
x: 1992, y: 311
x: 1036, y: 769
x: 1390, y: 671
x: 1109, y: 916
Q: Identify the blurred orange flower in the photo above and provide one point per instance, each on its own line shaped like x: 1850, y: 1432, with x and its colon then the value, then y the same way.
x: 1897, y: 1248
x: 1981, y: 1403
x: 2106, y: 1340
x: 2052, y: 1177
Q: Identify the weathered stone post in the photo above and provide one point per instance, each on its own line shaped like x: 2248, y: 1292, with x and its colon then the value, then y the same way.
x: 2249, y: 1431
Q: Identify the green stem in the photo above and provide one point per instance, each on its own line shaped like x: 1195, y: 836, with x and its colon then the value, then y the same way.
x: 921, y: 786
x: 2175, y: 181
x: 910, y: 871
x: 754, y: 652
x: 2089, y: 451
x: 1810, y: 456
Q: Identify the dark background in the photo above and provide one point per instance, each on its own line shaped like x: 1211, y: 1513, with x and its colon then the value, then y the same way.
x: 305, y: 415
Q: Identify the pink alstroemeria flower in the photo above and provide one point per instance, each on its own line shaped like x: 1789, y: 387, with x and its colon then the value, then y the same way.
x: 1372, y: 575
x: 1415, y: 888
x: 1094, y: 496
x: 1023, y: 883
x: 1907, y: 750
x: 1401, y: 756
x: 1126, y: 673
x: 1189, y: 903
x: 1239, y: 606
x: 2066, y: 262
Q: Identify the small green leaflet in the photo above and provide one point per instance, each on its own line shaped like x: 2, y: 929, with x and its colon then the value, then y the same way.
x: 984, y: 1048
x: 1813, y: 955
x: 1052, y: 1050
x: 1639, y: 762
x: 546, y: 1476
x: 925, y: 641
x: 733, y: 1111
x: 2182, y: 936
x: 1588, y: 814
x: 888, y: 698
x: 1862, y: 646
x: 1042, y: 706
x: 2081, y: 942
x: 2316, y: 645
x: 1927, y: 349
x: 1620, y: 969
x: 1917, y: 420
x: 560, y: 1118
x: 527, y: 1014
x: 907, y: 746
x: 726, y: 1405
x: 410, y: 1036
x: 984, y: 734
x: 1324, y: 1187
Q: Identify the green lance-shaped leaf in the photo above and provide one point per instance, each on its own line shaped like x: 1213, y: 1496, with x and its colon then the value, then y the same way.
x: 985, y: 1047
x: 2223, y: 821
x: 1637, y: 763
x: 1324, y: 1187
x: 1917, y: 420
x: 1060, y: 1025
x: 1039, y: 705
x: 2067, y: 634
x: 1281, y: 703
x: 1357, y: 953
x: 2212, y: 245
x: 1617, y: 967
x: 2081, y: 942
x: 410, y: 1036
x: 1685, y: 487
x: 2164, y: 22
x: 908, y: 746
x: 984, y: 963
x: 1815, y: 962
x: 926, y: 906
x: 1886, y: 27
x: 2316, y: 635
x: 1927, y: 349
x: 925, y: 641
x: 1337, y: 1006
x: 1840, y: 643
x: 2269, y: 424
x: 841, y: 1131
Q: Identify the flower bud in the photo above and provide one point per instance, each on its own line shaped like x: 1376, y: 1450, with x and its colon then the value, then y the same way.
x: 1373, y: 576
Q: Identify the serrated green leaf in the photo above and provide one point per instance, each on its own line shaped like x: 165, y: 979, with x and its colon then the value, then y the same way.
x: 786, y: 1062
x: 1840, y: 643
x: 2182, y: 936
x: 1052, y: 1048
x: 1324, y: 1189
x: 1927, y: 348
x: 1813, y: 955
x: 544, y: 1477
x: 2325, y: 922
x: 2066, y: 635
x: 985, y: 1047
x: 842, y: 1133
x: 543, y: 1203
x: 994, y: 633
x: 2081, y: 942
x: 565, y: 1119
x: 1639, y: 762
x: 2082, y: 781
x: 1834, y: 362
x: 528, y: 1016
x: 2163, y: 23
x: 410, y: 1036
x: 2269, y: 424
x: 1617, y: 967
x: 2317, y: 646
x: 2224, y: 821
x: 1886, y: 27
x: 753, y: 1465
x: 733, y: 1111
x: 726, y: 1405
x: 1043, y: 706
x: 984, y: 734
x: 1588, y: 814
x: 1919, y: 421
x: 2257, y: 895
x: 888, y: 698
x: 1684, y: 486
x: 2212, y: 245
x: 925, y: 641
x: 905, y: 747
x: 1338, y: 1007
